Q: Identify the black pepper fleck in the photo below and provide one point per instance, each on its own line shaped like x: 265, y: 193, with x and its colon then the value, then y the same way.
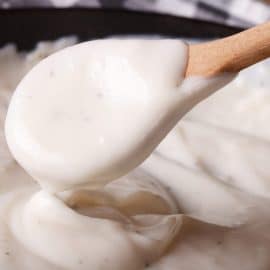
x: 100, y: 95
x: 7, y: 253
x: 86, y: 119
x: 147, y: 264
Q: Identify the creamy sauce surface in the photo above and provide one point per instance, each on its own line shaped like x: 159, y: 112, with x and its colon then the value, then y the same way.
x: 201, y: 198
x: 93, y: 112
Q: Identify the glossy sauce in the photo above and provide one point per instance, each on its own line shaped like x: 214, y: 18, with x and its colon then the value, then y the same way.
x: 200, y: 199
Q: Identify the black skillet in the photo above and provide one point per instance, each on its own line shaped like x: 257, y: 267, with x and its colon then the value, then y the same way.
x: 26, y: 27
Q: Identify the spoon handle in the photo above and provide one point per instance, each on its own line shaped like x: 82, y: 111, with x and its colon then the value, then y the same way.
x: 230, y: 54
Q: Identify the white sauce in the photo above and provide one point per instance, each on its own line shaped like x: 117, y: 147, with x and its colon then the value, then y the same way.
x: 201, y: 199
x: 98, y: 108
x: 94, y: 111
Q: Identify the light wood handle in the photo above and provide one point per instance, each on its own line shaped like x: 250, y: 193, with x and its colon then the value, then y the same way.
x: 230, y: 54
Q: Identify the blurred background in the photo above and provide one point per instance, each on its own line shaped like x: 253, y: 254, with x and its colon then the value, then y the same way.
x: 243, y: 13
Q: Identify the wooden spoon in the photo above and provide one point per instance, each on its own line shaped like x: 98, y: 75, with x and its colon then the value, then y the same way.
x: 230, y: 54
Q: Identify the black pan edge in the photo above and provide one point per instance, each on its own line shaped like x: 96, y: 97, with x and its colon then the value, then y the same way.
x: 27, y: 26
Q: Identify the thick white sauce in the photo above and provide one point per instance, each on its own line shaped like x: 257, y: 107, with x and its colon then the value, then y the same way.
x: 98, y: 106
x: 94, y: 111
x: 201, y: 199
